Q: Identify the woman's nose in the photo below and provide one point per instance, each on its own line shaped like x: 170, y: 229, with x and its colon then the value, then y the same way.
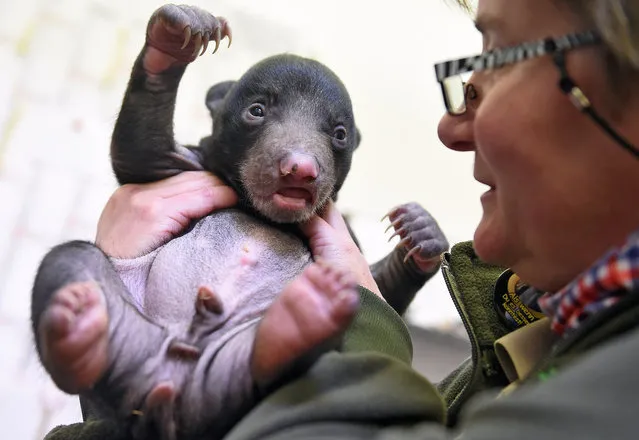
x: 456, y: 131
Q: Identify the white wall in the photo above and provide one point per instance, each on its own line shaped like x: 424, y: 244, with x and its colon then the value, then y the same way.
x: 63, y: 70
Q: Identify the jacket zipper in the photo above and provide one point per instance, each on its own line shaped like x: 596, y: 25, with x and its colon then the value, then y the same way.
x: 474, y: 352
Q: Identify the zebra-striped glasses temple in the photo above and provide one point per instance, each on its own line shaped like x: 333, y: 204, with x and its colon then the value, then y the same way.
x: 453, y: 75
x: 449, y: 73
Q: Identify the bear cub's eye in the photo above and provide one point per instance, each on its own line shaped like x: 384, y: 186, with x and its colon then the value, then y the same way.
x: 257, y: 110
x: 340, y: 133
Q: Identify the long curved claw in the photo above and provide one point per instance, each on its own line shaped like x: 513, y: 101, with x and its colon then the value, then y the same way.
x: 389, y: 214
x: 403, y: 242
x: 205, y: 42
x: 216, y: 37
x: 411, y: 252
x: 398, y: 232
x: 187, y: 37
x: 392, y: 225
x: 198, y: 45
x: 229, y: 34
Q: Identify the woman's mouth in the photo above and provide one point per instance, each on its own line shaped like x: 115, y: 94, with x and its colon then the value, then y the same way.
x: 488, y: 195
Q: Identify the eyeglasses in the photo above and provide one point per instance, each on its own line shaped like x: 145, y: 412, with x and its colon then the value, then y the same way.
x: 452, y: 75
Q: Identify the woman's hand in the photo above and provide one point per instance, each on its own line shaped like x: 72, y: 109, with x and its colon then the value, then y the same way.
x: 139, y: 218
x: 330, y: 240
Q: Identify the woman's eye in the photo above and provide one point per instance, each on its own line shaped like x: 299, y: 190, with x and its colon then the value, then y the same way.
x: 257, y: 110
x: 470, y: 92
x: 340, y: 133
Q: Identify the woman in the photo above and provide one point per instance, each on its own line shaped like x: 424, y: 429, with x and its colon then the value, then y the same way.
x: 560, y: 212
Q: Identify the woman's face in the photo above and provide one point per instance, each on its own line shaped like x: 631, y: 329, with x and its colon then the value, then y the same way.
x: 560, y: 191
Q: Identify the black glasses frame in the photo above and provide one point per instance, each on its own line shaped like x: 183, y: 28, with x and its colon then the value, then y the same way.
x: 556, y: 47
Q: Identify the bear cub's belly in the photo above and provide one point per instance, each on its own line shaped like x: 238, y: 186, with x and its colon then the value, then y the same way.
x: 242, y: 260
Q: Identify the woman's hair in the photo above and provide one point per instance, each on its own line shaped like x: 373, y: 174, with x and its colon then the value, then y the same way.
x: 617, y: 21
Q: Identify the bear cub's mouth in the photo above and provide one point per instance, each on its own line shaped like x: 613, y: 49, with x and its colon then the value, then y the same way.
x: 294, y: 198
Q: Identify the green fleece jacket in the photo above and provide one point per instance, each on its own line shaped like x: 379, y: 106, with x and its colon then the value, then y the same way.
x: 585, y: 387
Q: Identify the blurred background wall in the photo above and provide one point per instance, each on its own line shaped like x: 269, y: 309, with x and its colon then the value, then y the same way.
x: 64, y: 65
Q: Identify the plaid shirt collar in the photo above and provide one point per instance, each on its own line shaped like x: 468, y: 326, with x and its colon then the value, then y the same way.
x: 616, y: 274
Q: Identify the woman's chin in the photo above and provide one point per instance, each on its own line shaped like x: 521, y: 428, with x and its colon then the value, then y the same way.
x: 488, y: 242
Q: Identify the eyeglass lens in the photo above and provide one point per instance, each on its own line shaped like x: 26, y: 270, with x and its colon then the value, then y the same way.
x: 455, y: 92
